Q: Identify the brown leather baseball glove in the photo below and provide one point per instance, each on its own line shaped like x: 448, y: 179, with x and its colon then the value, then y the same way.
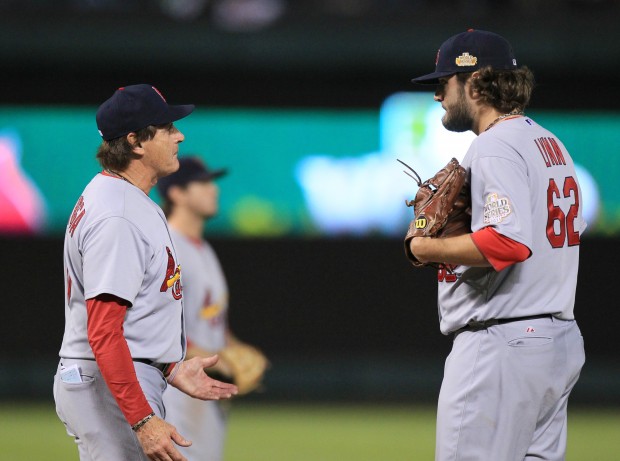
x: 247, y: 365
x: 441, y: 207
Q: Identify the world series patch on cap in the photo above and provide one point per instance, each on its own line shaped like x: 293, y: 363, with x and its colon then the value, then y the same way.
x: 469, y: 51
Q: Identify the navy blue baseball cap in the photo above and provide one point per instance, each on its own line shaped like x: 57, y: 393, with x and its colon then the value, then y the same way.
x: 469, y: 51
x: 134, y: 107
x: 190, y: 169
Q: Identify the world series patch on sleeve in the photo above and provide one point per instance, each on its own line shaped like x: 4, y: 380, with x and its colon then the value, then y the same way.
x: 441, y: 207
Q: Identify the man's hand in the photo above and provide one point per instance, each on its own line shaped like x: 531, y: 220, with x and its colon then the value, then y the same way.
x: 417, y: 245
x: 192, y: 380
x: 156, y: 438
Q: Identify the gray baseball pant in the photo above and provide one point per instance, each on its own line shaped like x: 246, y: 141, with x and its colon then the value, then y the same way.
x: 505, y: 392
x: 92, y: 416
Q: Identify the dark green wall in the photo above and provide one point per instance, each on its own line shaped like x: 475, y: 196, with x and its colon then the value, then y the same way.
x: 340, y: 319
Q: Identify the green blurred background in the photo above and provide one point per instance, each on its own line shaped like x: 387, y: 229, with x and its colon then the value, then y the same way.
x: 265, y: 148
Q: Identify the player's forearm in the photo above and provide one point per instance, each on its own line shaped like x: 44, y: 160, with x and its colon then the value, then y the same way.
x: 459, y: 250
x: 105, y: 335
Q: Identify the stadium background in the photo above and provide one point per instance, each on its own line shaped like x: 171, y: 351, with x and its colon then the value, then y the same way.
x: 343, y: 317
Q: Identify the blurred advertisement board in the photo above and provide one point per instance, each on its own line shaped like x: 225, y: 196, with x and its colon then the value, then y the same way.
x: 292, y: 172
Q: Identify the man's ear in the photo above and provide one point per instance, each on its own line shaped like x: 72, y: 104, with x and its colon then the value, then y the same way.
x: 136, y: 146
x: 473, y: 93
x: 175, y: 194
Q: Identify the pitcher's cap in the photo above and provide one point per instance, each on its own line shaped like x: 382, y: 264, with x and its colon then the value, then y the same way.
x: 134, y: 107
x: 469, y: 51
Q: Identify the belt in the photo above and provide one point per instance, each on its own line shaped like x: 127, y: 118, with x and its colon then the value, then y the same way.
x: 165, y: 368
x: 476, y: 326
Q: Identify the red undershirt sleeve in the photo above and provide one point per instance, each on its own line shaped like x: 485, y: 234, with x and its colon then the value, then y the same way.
x: 106, y: 314
x: 500, y: 251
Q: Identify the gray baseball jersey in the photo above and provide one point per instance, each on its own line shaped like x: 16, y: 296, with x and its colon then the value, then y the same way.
x: 205, y: 294
x: 505, y: 388
x: 117, y: 242
x: 523, y: 183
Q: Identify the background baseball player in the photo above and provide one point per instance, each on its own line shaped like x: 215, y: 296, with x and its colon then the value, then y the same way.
x: 124, y: 338
x: 190, y: 198
x: 507, y: 289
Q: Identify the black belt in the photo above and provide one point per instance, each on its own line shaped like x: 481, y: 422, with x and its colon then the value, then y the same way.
x: 163, y: 367
x: 476, y: 326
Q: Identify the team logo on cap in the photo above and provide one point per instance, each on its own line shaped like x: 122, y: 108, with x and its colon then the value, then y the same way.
x: 172, y: 280
x: 466, y: 60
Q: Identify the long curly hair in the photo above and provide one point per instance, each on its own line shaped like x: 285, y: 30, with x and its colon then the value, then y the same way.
x: 505, y: 90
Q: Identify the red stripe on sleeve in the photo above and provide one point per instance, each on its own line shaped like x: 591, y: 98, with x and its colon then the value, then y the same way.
x: 106, y: 314
x: 500, y: 251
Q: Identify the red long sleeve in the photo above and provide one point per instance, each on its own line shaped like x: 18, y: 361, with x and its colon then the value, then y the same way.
x: 106, y: 314
x: 500, y: 251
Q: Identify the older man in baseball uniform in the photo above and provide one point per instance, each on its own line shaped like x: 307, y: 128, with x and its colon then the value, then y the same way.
x: 506, y: 290
x: 124, y: 339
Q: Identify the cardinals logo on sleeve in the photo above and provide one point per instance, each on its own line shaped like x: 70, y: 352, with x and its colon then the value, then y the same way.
x: 173, y: 278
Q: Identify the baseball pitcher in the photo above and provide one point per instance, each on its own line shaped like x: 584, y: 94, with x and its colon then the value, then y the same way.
x: 506, y: 283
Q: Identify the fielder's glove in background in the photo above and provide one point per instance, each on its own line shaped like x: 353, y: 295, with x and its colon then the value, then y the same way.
x: 441, y: 207
x: 247, y: 363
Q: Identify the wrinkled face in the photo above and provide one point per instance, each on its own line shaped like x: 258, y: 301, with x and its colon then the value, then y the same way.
x: 201, y: 198
x: 452, y: 95
x: 160, y: 152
